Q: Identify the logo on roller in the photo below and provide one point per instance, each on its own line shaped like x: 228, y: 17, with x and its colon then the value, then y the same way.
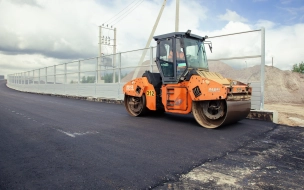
x: 129, y: 87
x: 214, y: 89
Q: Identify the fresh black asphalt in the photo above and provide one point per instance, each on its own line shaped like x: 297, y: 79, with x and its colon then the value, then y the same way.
x: 48, y: 142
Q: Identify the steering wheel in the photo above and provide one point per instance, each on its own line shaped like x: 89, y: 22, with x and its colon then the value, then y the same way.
x: 190, y: 59
x: 166, y: 61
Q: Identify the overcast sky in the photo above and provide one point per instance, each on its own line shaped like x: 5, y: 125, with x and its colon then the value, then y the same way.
x: 41, y: 33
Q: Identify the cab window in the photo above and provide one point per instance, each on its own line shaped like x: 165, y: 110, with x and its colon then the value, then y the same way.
x: 166, y: 62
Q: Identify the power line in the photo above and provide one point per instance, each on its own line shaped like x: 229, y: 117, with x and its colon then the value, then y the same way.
x: 128, y: 12
x: 120, y: 11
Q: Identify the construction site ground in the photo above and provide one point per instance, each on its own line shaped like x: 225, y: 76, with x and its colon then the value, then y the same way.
x: 288, y: 114
x: 272, y: 161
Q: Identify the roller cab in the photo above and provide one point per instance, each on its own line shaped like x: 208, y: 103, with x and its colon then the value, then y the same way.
x: 184, y: 84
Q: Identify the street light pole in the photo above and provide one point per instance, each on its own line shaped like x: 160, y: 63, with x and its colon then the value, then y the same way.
x: 177, y: 16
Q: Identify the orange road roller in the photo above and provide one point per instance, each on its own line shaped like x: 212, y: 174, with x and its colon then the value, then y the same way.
x: 184, y: 84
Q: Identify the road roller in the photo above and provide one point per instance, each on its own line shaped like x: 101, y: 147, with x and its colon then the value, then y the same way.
x: 185, y: 85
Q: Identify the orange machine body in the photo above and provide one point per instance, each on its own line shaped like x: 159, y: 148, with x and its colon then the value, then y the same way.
x: 177, y: 98
x: 139, y: 87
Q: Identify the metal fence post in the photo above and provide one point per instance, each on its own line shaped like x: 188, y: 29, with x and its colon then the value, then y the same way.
x: 262, y: 66
x: 78, y: 71
x: 114, y: 69
x: 65, y: 78
x: 119, y: 74
x: 38, y: 76
x: 46, y: 75
x: 54, y: 74
x: 96, y: 71
x: 65, y: 73
x: 78, y: 78
x: 151, y: 58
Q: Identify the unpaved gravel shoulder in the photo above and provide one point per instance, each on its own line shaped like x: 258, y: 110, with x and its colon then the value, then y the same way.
x: 288, y: 114
x: 274, y: 161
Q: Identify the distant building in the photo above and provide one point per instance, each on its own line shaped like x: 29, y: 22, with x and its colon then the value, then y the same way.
x: 1, y: 77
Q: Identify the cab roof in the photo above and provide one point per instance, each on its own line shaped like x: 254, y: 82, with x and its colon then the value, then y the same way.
x: 176, y: 34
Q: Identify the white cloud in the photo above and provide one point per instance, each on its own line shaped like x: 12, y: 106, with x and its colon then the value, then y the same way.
x: 26, y: 2
x: 266, y: 24
x: 68, y: 30
x: 56, y: 31
x: 232, y: 16
x: 285, y: 44
x: 43, y: 33
x: 286, y: 1
x: 15, y: 64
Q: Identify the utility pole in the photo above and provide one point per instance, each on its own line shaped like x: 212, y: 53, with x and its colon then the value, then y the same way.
x: 114, y: 55
x: 100, y: 50
x: 107, y: 41
x: 98, y: 78
x: 177, y: 16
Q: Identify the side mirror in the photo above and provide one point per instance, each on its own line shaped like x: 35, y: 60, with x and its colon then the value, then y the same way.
x: 210, y: 47
x: 209, y: 44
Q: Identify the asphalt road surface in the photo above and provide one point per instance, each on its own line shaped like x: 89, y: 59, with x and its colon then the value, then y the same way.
x: 49, y: 142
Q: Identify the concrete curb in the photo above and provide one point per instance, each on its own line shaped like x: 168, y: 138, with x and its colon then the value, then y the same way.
x: 264, y: 115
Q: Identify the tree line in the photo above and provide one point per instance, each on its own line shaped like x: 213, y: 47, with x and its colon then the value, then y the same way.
x: 108, y: 78
x: 299, y: 68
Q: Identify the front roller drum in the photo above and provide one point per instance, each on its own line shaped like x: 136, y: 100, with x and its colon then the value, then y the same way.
x: 215, y: 113
x: 136, y: 106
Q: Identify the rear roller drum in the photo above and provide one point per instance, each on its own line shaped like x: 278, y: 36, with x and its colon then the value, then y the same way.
x: 136, y: 106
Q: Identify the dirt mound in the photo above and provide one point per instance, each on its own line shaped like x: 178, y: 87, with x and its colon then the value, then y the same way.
x: 244, y: 75
x: 283, y: 86
x: 280, y: 86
